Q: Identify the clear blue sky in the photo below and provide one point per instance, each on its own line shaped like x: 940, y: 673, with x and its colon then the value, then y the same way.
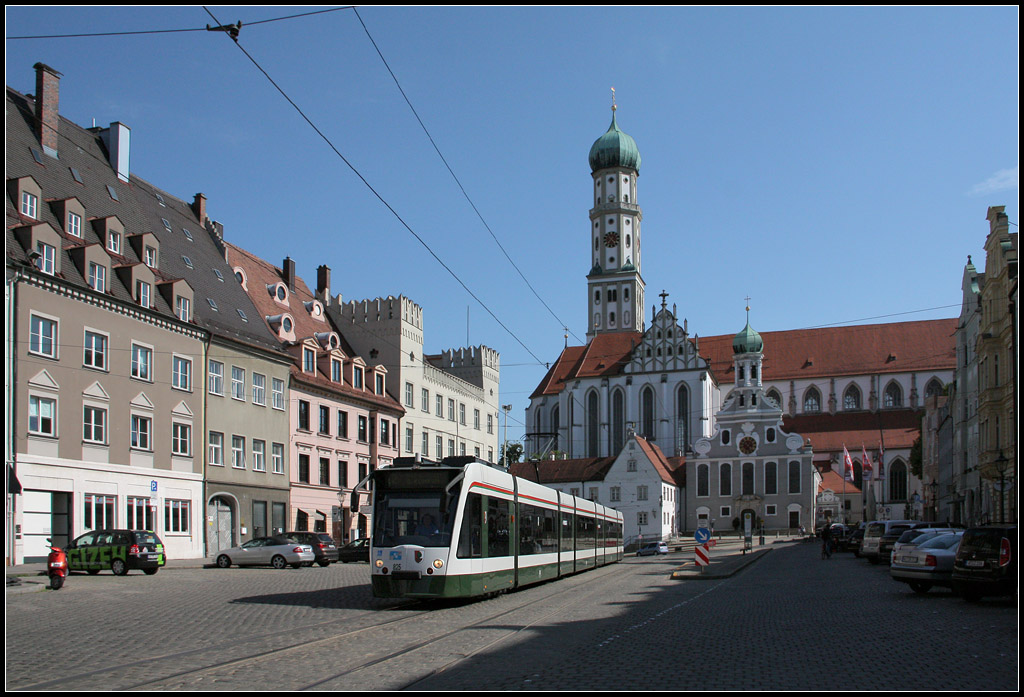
x: 834, y: 164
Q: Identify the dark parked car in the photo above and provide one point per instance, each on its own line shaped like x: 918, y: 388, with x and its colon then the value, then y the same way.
x: 117, y: 550
x: 927, y: 564
x: 323, y: 545
x: 986, y: 563
x: 356, y: 550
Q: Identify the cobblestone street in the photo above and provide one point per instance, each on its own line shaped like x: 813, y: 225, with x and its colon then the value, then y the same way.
x: 788, y: 621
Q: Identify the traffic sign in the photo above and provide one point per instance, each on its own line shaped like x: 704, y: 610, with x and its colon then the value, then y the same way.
x: 702, y: 535
x: 701, y: 555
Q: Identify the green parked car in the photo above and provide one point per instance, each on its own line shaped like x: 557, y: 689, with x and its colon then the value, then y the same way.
x: 117, y: 550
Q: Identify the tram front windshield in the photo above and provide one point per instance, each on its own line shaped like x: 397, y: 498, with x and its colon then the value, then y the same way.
x: 413, y: 518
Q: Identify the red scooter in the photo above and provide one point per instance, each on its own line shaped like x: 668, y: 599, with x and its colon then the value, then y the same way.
x: 56, y: 566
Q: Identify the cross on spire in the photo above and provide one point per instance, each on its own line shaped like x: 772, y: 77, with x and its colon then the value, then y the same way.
x: 663, y: 295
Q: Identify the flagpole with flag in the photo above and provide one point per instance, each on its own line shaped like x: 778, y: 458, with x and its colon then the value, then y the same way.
x: 847, y: 476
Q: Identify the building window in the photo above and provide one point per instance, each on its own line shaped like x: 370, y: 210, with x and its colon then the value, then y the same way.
x: 379, y: 382
x: 384, y: 440
x: 747, y: 479
x: 335, y: 370
x: 237, y: 383
x: 29, y: 204
x: 794, y: 477
x: 277, y: 457
x: 149, y: 257
x: 181, y: 373
x: 176, y: 516
x: 216, y: 449
x: 362, y: 433
x: 303, y: 415
x: 216, y: 381
x: 851, y: 398
x: 308, y: 360
x: 259, y: 454
x: 771, y: 478
x: 325, y: 471
x: 114, y: 242
x: 451, y: 410
x: 490, y: 423
x: 425, y: 400
x: 95, y: 355
x: 97, y: 277
x: 342, y: 424
x: 725, y: 479
x: 47, y: 258
x: 303, y: 468
x: 277, y: 393
x: 439, y: 406
x: 142, y: 428
x: 812, y: 401
x: 238, y: 452
x: 325, y: 420
x: 894, y: 396
x: 408, y: 439
x: 425, y: 445
x: 94, y: 425
x: 142, y: 290
x: 140, y: 513
x: 408, y: 394
x: 184, y: 308
x: 438, y: 447
x: 476, y: 419
x: 181, y: 439
x: 43, y: 337
x: 100, y: 511
x: 641, y: 493
x: 615, y: 494
x: 451, y: 447
x: 357, y: 377
x: 259, y: 389
x: 641, y: 518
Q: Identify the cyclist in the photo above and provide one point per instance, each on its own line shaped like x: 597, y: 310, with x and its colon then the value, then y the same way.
x: 826, y: 541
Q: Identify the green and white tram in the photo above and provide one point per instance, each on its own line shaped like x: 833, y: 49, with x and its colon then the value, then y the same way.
x: 464, y: 528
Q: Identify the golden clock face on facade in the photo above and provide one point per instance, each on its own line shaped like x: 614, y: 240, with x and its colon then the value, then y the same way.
x: 747, y: 445
x: 611, y: 239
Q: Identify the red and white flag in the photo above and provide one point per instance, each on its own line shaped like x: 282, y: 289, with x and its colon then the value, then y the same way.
x: 881, y: 461
x: 847, y: 465
x: 867, y: 469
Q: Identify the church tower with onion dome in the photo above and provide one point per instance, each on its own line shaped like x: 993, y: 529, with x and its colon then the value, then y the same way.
x: 615, y: 287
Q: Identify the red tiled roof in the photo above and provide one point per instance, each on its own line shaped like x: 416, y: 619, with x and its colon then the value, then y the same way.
x: 898, y: 428
x: 669, y: 469
x: 788, y: 355
x: 858, y: 350
x: 579, y: 470
x: 830, y: 479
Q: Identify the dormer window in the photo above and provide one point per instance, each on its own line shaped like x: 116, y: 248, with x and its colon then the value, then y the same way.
x: 315, y: 309
x: 29, y: 204
x: 279, y: 292
x: 308, y: 360
x: 335, y: 370
x: 142, y: 293
x: 149, y: 257
x: 240, y: 277
x: 97, y: 277
x: 113, y: 241
x: 74, y: 224
x: 379, y: 384
x: 47, y: 257
x: 357, y: 377
x: 183, y: 308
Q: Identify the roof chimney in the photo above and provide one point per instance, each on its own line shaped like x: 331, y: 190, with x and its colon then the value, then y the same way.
x: 199, y: 208
x: 289, y: 273
x: 47, y: 112
x: 117, y: 138
x: 323, y: 282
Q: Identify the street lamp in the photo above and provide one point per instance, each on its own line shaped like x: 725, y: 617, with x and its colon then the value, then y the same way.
x: 1002, y: 463
x: 504, y: 450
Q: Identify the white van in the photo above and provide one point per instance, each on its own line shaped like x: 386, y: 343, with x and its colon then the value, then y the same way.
x: 873, y: 535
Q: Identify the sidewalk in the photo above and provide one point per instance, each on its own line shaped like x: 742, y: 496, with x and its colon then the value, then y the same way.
x: 29, y: 578
x: 726, y: 559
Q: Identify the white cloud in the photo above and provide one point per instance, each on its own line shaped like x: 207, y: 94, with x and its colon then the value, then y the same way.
x: 1002, y: 180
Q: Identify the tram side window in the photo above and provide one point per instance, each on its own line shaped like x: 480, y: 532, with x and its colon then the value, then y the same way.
x: 470, y: 544
x: 498, y: 527
x: 567, y: 533
x: 537, y: 530
x: 585, y: 532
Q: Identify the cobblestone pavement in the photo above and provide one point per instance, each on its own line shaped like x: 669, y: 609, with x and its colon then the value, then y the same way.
x: 788, y: 621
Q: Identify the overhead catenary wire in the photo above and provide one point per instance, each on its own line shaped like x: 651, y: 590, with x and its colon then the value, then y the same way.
x: 380, y: 198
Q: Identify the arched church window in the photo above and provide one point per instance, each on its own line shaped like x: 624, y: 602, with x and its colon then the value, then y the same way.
x: 593, y: 414
x: 618, y: 421
x: 893, y: 396
x: 934, y: 387
x: 898, y: 481
x: 703, y: 483
x: 647, y: 413
x: 725, y: 479
x: 812, y: 401
x: 774, y: 395
x: 683, y: 417
x: 851, y: 398
x: 611, y: 319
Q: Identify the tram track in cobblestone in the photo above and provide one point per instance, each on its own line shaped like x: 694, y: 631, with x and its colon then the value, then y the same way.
x: 208, y: 673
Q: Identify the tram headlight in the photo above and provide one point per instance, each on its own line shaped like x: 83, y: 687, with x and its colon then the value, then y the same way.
x: 379, y: 563
x: 438, y: 563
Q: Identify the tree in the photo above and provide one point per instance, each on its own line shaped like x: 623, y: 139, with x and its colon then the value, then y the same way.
x: 514, y: 451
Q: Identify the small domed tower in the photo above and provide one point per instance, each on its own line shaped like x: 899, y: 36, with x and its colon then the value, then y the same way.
x: 614, y: 284
x: 748, y: 352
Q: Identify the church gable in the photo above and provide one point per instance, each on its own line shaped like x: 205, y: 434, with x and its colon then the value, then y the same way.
x: 664, y: 346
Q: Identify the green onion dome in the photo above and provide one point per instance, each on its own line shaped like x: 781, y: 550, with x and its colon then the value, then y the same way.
x: 747, y: 341
x: 614, y: 149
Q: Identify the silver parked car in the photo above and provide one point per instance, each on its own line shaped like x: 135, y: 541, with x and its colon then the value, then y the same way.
x: 929, y: 564
x: 912, y: 538
x: 278, y: 552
